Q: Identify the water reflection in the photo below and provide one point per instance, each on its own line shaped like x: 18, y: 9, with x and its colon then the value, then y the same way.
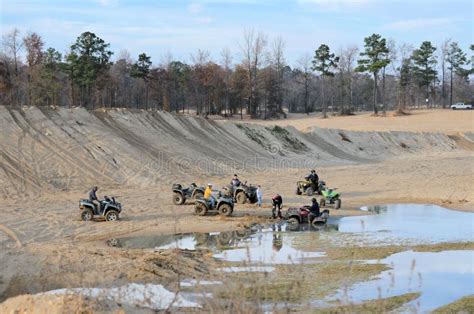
x: 410, y: 223
x: 441, y: 277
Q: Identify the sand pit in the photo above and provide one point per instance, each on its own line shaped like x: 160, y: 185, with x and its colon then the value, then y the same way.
x: 49, y: 158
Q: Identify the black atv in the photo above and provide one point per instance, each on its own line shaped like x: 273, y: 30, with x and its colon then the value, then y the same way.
x: 109, y: 208
x: 180, y: 194
x: 243, y: 193
x: 309, y: 188
x: 223, y: 204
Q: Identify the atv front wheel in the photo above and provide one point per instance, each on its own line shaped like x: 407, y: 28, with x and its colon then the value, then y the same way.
x: 310, y: 191
x: 178, y: 199
x: 200, y: 209
x: 293, y: 221
x: 241, y: 198
x: 87, y: 214
x: 298, y: 192
x: 322, y: 202
x: 225, y: 210
x: 338, y: 203
x: 112, y: 215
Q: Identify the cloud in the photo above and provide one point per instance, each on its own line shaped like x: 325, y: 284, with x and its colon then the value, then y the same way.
x: 421, y: 23
x: 336, y: 4
x: 107, y: 3
x: 195, y: 8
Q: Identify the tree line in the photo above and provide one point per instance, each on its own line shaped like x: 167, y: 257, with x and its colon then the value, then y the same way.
x: 382, y: 76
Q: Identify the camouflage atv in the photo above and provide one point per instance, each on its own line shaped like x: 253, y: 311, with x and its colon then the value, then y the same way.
x: 180, y: 194
x: 309, y: 188
x: 243, y: 193
x: 224, y: 204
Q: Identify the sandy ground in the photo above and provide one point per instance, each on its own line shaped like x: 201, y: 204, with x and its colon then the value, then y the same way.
x: 44, y: 245
x: 439, y: 120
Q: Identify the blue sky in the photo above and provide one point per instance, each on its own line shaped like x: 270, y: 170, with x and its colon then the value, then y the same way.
x: 160, y: 27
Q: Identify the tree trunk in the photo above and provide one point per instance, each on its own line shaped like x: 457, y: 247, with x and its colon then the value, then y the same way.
x: 443, y: 86
x: 383, y: 91
x: 451, y: 89
x: 323, y: 97
x: 376, y: 111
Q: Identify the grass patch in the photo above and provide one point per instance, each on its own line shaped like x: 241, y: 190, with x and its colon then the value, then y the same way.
x: 289, y: 142
x: 374, y: 306
x: 463, y: 305
x: 344, y: 137
x: 297, y: 283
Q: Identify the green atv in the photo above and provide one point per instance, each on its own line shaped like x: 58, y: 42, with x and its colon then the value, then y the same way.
x: 330, y: 197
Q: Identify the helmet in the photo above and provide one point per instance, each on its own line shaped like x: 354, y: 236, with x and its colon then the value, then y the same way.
x: 313, y: 200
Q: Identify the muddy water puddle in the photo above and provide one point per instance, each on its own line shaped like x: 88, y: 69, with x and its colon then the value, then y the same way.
x: 262, y: 248
x: 259, y: 246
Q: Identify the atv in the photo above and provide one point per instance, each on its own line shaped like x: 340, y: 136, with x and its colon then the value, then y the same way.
x: 243, y: 193
x: 298, y: 215
x: 309, y: 188
x: 109, y: 208
x: 224, y: 204
x: 331, y: 197
x: 180, y: 194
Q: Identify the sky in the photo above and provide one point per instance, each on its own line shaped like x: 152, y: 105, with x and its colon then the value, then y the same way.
x: 163, y: 28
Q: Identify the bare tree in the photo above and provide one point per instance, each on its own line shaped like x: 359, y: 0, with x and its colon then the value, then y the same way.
x: 278, y: 62
x: 12, y: 44
x: 226, y: 63
x: 347, y: 60
x: 253, y: 48
x: 305, y: 64
x: 443, y: 53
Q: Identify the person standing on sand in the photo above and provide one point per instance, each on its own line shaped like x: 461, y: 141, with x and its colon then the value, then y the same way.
x: 277, y: 203
x: 259, y: 195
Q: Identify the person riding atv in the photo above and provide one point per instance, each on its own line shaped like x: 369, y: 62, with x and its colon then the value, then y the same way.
x: 109, y: 208
x: 310, y: 185
x: 221, y: 202
x: 235, y: 181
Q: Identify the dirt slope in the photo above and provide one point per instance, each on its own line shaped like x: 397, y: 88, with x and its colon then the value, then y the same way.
x: 44, y: 149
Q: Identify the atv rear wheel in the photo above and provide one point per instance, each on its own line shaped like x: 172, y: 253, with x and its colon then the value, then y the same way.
x: 309, y: 191
x: 200, y: 209
x: 178, y: 199
x: 198, y: 195
x: 322, y: 202
x: 338, y: 203
x: 241, y: 198
x: 112, y: 215
x: 225, y: 210
x: 87, y: 214
x: 293, y: 221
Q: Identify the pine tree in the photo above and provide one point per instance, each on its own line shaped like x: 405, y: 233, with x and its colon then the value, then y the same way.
x: 375, y: 51
x: 456, y: 59
x: 323, y: 62
x: 424, y: 70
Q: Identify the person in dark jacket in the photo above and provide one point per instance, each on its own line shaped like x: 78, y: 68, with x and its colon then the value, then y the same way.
x: 313, y: 210
x: 93, y: 197
x: 277, y: 203
x: 235, y: 181
x: 313, y: 178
